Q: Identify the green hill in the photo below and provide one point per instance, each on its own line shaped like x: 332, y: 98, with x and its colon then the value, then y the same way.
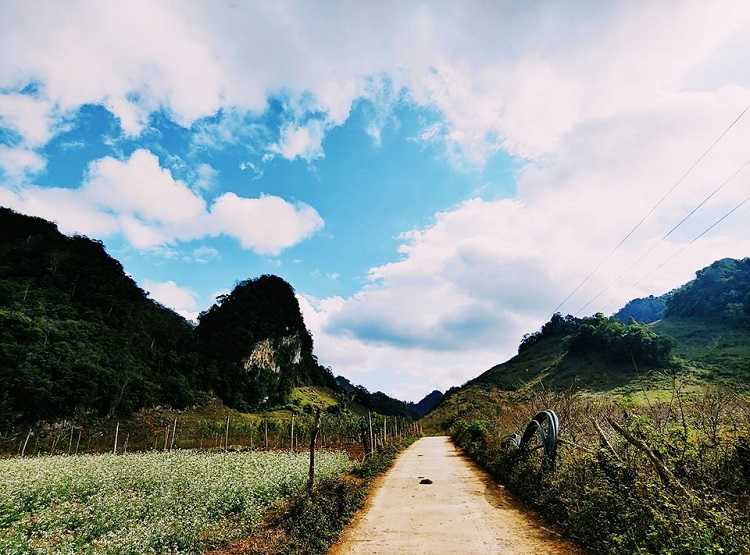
x: 703, y: 337
x: 77, y: 334
x: 79, y: 338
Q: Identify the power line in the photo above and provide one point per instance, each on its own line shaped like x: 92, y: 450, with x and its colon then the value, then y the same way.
x: 696, y: 238
x: 637, y: 226
x: 674, y: 228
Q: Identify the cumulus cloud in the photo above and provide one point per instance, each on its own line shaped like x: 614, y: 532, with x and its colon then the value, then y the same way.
x: 18, y: 162
x: 267, y: 224
x: 516, y: 78
x: 204, y: 254
x: 182, y: 300
x: 141, y: 200
x: 300, y: 141
x: 484, y: 272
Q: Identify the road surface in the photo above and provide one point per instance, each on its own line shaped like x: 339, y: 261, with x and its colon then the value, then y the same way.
x: 461, y: 512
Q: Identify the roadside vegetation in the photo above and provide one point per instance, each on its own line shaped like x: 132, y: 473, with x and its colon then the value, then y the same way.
x: 670, y: 475
x: 309, y: 525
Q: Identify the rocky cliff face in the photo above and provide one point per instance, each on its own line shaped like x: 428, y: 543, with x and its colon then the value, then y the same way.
x: 256, y: 343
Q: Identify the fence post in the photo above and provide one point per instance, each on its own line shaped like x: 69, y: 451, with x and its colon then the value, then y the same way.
x: 117, y: 432
x: 174, y: 434
x: 226, y: 435
x: 313, y: 437
x: 372, y: 438
x: 291, y: 442
x: 25, y: 443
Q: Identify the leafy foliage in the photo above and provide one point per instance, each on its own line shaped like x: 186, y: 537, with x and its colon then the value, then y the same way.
x: 558, y: 326
x: 259, y: 317
x: 377, y: 402
x: 77, y: 334
x: 79, y: 337
x: 612, y: 499
x: 621, y: 342
x: 645, y: 311
x: 721, y: 290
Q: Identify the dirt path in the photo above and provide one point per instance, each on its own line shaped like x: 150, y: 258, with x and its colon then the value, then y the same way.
x: 461, y: 512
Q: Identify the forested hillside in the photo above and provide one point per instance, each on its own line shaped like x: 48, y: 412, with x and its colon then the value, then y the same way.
x: 79, y: 337
x: 702, y: 333
x: 646, y: 310
x: 77, y: 334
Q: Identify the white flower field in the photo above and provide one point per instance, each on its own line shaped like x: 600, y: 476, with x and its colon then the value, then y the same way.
x: 174, y: 502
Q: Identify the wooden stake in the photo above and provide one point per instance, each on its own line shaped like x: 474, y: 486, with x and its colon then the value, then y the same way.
x: 78, y: 441
x: 166, y: 436
x: 25, y: 443
x: 313, y: 437
x: 125, y: 449
x: 265, y: 433
x: 372, y: 438
x: 117, y: 432
x: 174, y: 434
x: 70, y: 441
x: 226, y: 435
x: 292, y: 440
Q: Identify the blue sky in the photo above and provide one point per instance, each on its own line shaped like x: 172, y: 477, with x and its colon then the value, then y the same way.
x: 368, y: 191
x: 432, y: 178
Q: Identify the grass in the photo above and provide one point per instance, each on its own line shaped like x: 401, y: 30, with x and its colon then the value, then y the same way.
x: 610, y: 497
x: 719, y: 351
x: 306, y: 525
x: 177, y: 502
x: 311, y: 397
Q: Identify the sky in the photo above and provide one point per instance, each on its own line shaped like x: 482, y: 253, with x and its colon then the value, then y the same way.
x: 432, y: 178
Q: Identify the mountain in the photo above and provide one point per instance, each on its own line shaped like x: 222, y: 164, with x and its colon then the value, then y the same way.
x: 377, y: 402
x: 703, y: 334
x: 78, y: 337
x: 427, y: 403
x: 254, y: 344
x: 645, y: 310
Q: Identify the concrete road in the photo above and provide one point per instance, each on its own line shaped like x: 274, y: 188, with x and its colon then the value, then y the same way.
x: 461, y: 512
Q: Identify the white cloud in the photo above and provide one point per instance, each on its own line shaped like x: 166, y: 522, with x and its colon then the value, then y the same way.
x: 204, y: 254
x: 300, y: 141
x: 182, y: 300
x: 29, y: 116
x: 608, y: 103
x: 141, y: 187
x: 517, y: 78
x: 486, y: 271
x: 205, y: 177
x: 18, y: 162
x: 142, y: 200
x: 267, y: 224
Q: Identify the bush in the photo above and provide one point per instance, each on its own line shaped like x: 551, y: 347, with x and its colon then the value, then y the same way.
x: 620, y: 342
x: 616, y: 503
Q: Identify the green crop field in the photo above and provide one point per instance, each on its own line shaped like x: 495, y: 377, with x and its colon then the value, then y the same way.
x: 176, y: 502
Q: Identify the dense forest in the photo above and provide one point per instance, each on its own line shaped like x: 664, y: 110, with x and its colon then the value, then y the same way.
x: 604, y: 336
x: 645, y: 310
x: 721, y: 291
x: 77, y: 334
x: 378, y: 401
x: 79, y: 337
x: 254, y: 345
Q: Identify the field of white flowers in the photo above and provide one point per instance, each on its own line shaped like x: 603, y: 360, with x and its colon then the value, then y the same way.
x: 173, y: 502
